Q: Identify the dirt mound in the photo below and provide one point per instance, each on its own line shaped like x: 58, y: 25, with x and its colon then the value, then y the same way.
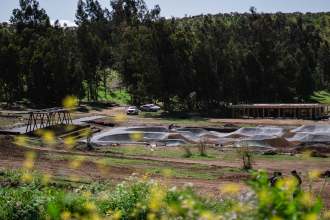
x: 228, y: 126
x: 270, y: 152
x: 313, y: 148
x: 236, y: 136
x: 9, y: 149
x: 179, y: 136
x: 288, y: 135
x: 315, y: 153
x: 210, y: 136
x: 281, y: 143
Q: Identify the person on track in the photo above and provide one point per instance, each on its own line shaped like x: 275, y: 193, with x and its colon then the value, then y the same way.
x: 272, y: 178
x: 278, y: 181
x: 297, y: 183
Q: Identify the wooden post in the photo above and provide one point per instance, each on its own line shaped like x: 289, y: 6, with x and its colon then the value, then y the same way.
x: 263, y: 112
x: 254, y: 113
x: 284, y: 113
x: 294, y: 112
x: 311, y: 110
x: 279, y: 112
x: 319, y: 112
x: 248, y: 113
x: 268, y: 113
x: 233, y: 113
x: 299, y: 114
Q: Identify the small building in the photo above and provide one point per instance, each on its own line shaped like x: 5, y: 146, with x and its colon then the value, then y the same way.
x: 279, y: 110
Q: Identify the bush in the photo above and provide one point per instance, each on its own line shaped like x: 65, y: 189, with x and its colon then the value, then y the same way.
x: 187, y: 151
x: 244, y: 153
x: 143, y: 198
x: 201, y: 146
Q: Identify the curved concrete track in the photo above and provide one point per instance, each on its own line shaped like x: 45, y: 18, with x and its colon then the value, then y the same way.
x: 255, y: 136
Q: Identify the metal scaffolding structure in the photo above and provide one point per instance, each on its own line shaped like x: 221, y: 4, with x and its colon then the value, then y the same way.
x: 48, y: 117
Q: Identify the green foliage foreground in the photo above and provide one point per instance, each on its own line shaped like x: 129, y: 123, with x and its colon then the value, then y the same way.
x: 143, y: 198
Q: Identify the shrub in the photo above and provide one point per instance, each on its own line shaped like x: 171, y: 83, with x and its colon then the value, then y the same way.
x: 244, y: 153
x: 201, y: 146
x: 187, y: 151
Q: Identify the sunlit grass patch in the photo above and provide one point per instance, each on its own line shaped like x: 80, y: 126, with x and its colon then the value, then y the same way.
x: 181, y: 173
x: 320, y: 97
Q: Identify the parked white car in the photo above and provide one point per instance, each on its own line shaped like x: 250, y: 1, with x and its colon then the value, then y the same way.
x: 132, y: 110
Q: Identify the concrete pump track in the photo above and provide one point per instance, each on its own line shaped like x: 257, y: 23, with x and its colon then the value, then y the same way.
x: 259, y: 137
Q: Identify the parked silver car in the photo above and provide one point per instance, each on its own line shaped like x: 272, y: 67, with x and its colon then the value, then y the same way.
x: 154, y: 107
x: 149, y: 108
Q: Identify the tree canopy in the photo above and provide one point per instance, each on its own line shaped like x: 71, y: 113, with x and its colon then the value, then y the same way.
x: 201, y: 61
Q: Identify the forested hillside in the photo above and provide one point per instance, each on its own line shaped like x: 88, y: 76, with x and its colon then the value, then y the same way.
x: 201, y: 61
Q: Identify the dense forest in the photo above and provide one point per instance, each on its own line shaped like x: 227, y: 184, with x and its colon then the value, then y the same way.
x: 201, y: 61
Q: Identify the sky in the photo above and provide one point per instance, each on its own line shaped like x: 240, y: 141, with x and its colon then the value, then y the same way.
x: 64, y: 10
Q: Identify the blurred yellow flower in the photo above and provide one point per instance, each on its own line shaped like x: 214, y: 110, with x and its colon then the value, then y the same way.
x: 85, y: 133
x: 117, y: 215
x: 27, y: 177
x: 74, y: 178
x: 168, y: 174
x: 38, y: 132
x: 74, y: 164
x: 21, y: 140
x: 305, y: 199
x: 65, y: 215
x: 90, y: 207
x: 87, y: 194
x: 134, y: 212
x: 307, y: 154
x: 238, y: 209
x: 69, y: 128
x: 263, y: 195
x: 290, y: 183
x: 276, y: 218
x: 69, y: 102
x: 279, y: 183
x: 120, y: 116
x: 30, y: 155
x: 314, y: 174
x: 70, y: 142
x: 104, y: 198
x: 49, y: 137
x: 46, y: 178
x: 326, y: 215
x: 95, y: 216
x: 136, y: 136
x: 151, y: 216
x: 311, y: 217
x: 231, y: 188
x: 157, y: 196
x: 103, y: 167
x: 208, y: 216
x: 28, y: 164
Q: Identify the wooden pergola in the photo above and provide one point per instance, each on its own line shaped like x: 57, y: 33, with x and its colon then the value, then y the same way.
x: 280, y: 110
